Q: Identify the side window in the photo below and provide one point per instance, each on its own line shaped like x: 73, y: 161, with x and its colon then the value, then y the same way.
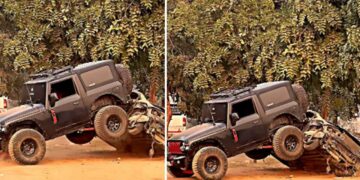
x: 274, y: 97
x: 63, y: 88
x: 97, y: 76
x: 244, y: 108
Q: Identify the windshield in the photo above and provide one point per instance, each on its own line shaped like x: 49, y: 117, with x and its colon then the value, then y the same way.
x: 218, y: 111
x: 36, y: 91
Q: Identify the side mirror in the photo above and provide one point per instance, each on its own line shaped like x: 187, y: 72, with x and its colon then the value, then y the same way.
x: 53, y: 98
x: 234, y: 117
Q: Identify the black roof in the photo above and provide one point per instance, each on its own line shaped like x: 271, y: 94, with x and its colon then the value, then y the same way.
x: 48, y: 75
x: 229, y: 95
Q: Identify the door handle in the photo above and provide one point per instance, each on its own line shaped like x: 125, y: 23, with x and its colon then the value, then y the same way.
x: 76, y: 103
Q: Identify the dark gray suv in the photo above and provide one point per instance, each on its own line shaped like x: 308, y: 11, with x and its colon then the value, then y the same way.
x: 259, y: 120
x: 79, y: 102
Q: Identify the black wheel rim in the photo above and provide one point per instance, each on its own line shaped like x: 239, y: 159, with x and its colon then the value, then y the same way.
x: 212, y: 164
x: 291, y: 143
x: 113, y: 123
x: 28, y: 147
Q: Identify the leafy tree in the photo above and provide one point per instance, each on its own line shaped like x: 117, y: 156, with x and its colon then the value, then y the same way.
x: 53, y: 33
x: 225, y: 44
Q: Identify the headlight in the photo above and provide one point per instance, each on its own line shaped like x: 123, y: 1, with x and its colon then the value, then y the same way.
x: 184, y: 147
x: 2, y: 129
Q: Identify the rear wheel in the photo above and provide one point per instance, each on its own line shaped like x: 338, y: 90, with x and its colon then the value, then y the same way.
x: 288, y: 143
x: 27, y: 146
x: 111, y: 123
x: 258, y: 154
x: 81, y: 137
x: 177, y: 172
x: 210, y: 163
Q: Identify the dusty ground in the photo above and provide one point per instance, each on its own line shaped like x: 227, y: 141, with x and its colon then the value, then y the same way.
x: 65, y: 161
x: 240, y: 167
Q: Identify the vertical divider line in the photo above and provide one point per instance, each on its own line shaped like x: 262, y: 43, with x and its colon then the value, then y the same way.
x: 165, y: 91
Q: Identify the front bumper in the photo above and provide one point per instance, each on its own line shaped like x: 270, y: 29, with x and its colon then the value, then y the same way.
x: 176, y: 161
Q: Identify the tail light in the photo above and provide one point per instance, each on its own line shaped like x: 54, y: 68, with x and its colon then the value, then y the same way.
x: 184, y: 121
x: 5, y: 104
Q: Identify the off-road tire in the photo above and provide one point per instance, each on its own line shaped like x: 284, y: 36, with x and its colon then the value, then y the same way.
x: 313, y: 145
x: 16, y: 147
x: 81, y: 137
x: 178, y: 173
x: 139, y: 127
x: 125, y: 76
x: 258, y: 154
x: 104, y: 119
x: 285, y: 136
x: 203, y: 155
x: 301, y: 96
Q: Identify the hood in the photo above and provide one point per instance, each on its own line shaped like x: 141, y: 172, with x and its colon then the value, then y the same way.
x: 20, y: 112
x: 199, y: 132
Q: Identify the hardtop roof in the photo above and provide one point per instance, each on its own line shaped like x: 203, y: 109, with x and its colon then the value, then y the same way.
x: 229, y: 95
x: 49, y: 75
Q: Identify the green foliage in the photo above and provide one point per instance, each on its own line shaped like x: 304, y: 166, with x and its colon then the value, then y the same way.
x: 53, y: 33
x: 223, y: 44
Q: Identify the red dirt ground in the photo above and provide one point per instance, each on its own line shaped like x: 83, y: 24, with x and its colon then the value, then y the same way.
x: 66, y: 161
x: 241, y: 167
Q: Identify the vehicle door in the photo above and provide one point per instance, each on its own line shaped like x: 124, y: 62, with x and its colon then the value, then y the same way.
x: 69, y: 109
x: 248, y: 127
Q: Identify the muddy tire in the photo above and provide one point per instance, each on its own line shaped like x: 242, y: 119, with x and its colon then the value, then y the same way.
x: 111, y: 123
x: 210, y: 163
x: 125, y: 76
x: 312, y: 145
x: 137, y: 129
x: 179, y: 173
x: 258, y: 154
x: 27, y: 146
x: 301, y: 96
x: 81, y: 137
x: 288, y: 143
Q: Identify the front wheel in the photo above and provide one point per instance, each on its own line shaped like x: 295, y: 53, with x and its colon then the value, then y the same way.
x: 179, y: 173
x: 27, y: 146
x: 210, y: 163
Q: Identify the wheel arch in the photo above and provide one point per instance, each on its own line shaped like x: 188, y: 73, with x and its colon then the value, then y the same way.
x: 208, y: 142
x: 27, y: 123
x: 292, y: 119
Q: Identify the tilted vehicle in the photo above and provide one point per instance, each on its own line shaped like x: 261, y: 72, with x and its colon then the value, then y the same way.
x: 79, y: 102
x: 341, y: 149
x: 238, y: 121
